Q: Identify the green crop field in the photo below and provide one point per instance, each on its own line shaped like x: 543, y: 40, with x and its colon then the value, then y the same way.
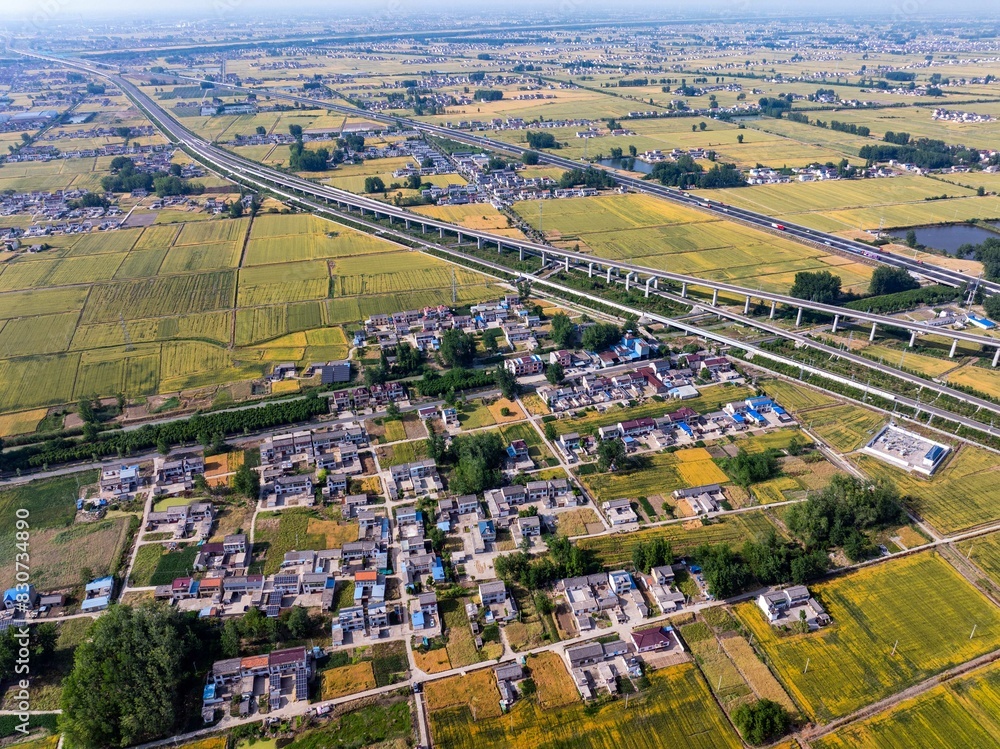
x: 846, y: 427
x: 106, y: 242
x: 266, y: 323
x: 963, y: 494
x: 37, y: 381
x: 961, y: 713
x: 614, y: 550
x: 850, y: 662
x: 676, y: 709
x: 201, y: 257
x: 795, y: 396
x: 46, y: 334
x: 660, y: 474
x: 655, y: 234
x: 984, y: 552
x: 295, y: 282
x: 140, y: 263
x: 201, y: 292
x: 282, y: 239
x: 206, y: 232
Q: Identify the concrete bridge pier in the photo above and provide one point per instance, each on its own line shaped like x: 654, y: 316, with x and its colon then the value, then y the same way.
x: 609, y: 276
x: 648, y: 282
x: 628, y: 280
x: 913, y: 338
x: 871, y: 336
x: 441, y: 232
x: 684, y: 290
x: 954, y: 347
x: 590, y: 270
x: 520, y: 254
x: 996, y: 357
x: 567, y: 264
x: 836, y: 322
x: 715, y: 297
x: 746, y: 306
x: 406, y: 223
x: 479, y: 243
x: 545, y: 259
x: 773, y: 306
x: 798, y: 318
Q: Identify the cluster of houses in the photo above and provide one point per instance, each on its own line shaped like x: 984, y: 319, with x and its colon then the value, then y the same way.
x: 950, y: 115
x: 283, y: 457
x: 601, y: 595
x: 422, y: 328
x: 791, y: 605
x: 257, y: 681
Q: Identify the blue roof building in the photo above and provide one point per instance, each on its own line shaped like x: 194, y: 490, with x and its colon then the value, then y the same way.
x: 437, y: 570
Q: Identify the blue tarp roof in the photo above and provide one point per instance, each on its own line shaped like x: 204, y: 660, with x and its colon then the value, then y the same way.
x: 934, y: 454
x: 101, y: 602
x: 101, y: 582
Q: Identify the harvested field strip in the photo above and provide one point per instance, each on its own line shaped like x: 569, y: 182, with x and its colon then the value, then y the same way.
x: 555, y: 686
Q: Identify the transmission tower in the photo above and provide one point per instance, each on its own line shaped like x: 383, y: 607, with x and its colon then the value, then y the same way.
x: 454, y: 288
x: 125, y: 335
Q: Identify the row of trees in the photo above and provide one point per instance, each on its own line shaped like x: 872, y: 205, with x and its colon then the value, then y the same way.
x: 824, y: 287
x: 201, y: 428
x: 564, y: 559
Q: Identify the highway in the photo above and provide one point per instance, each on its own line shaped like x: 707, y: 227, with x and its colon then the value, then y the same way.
x: 803, y: 233
x: 796, y: 231
x: 267, y: 177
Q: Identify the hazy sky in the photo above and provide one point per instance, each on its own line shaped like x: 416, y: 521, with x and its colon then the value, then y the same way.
x: 195, y: 9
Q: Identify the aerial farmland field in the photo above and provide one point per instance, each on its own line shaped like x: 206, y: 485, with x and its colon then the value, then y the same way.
x: 964, y: 712
x: 963, y: 494
x: 615, y: 550
x: 849, y: 664
x: 658, y: 234
x: 675, y: 710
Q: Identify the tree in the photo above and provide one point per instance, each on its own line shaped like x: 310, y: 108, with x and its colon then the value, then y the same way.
x: 458, y: 348
x: 600, y: 336
x: 506, y: 382
x: 724, y: 572
x: 888, y: 280
x: 529, y: 158
x: 739, y: 138
x: 129, y: 679
x: 610, y: 455
x: 230, y: 638
x: 555, y: 373
x: 992, y: 306
x: 374, y: 184
x: 654, y: 554
x: 491, y: 339
x: 246, y: 482
x: 236, y: 209
x: 911, y: 238
x: 761, y: 722
x: 261, y: 130
x: 821, y: 287
x: 562, y: 330
x: 551, y: 433
x: 299, y: 622
x: 296, y: 131
x: 392, y: 411
x: 751, y: 468
x: 85, y: 410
